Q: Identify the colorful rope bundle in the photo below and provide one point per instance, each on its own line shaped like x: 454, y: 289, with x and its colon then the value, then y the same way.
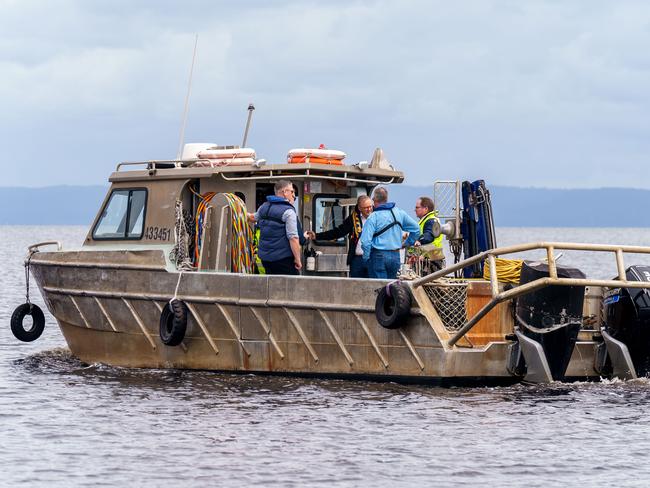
x: 201, y: 212
x: 241, y: 242
x: 241, y: 250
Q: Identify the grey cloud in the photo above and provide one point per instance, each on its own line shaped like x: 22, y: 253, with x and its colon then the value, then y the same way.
x: 545, y: 93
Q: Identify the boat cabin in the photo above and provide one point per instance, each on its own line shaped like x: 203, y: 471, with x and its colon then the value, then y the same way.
x: 149, y: 202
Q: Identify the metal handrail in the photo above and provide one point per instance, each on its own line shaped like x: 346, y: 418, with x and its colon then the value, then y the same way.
x: 552, y: 279
x: 308, y: 176
x: 34, y: 247
x: 150, y: 162
x: 270, y: 176
x: 180, y: 163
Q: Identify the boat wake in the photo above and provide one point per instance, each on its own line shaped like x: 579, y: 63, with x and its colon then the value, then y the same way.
x: 57, y: 360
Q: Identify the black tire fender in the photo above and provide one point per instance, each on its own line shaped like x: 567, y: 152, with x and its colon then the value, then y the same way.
x: 18, y: 318
x: 393, y: 305
x: 173, y: 323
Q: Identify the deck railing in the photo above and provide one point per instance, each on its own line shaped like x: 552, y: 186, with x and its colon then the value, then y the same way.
x: 553, y: 279
x: 151, y: 164
x: 299, y: 171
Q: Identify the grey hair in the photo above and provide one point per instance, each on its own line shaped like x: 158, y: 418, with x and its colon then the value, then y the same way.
x: 380, y: 195
x: 362, y: 199
x: 281, y: 185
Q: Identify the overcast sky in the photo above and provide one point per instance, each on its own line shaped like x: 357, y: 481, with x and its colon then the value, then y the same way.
x: 522, y: 93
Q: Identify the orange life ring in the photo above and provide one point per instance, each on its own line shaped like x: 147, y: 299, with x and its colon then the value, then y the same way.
x: 316, y: 153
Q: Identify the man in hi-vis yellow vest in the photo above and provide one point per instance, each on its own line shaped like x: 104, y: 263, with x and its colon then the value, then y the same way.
x: 431, y: 247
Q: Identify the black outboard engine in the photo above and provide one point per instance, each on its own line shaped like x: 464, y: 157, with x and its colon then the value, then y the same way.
x: 627, y: 318
x: 551, y: 316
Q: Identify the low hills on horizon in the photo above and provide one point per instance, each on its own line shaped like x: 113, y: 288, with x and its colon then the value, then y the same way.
x: 513, y: 206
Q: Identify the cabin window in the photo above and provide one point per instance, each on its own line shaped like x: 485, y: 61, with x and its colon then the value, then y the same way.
x: 328, y: 214
x: 123, y: 215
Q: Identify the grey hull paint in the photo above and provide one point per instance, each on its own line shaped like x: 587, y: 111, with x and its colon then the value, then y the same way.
x: 305, y: 325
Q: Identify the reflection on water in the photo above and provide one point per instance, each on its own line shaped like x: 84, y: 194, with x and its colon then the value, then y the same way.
x: 68, y: 423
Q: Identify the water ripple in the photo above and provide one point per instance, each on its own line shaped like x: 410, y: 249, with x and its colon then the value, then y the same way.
x: 69, y: 423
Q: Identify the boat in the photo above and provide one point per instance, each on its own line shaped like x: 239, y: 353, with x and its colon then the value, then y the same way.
x: 165, y: 278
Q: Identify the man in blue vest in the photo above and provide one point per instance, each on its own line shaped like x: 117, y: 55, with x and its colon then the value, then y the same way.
x: 280, y: 232
x: 381, y: 238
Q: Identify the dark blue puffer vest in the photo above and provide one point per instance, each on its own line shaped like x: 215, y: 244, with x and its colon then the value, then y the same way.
x: 273, y: 244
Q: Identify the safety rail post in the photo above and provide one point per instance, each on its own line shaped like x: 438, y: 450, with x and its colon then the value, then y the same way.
x: 458, y: 191
x: 552, y: 268
x: 494, y: 283
x: 620, y: 264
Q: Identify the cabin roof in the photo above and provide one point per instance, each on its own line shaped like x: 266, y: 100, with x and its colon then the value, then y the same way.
x: 150, y: 172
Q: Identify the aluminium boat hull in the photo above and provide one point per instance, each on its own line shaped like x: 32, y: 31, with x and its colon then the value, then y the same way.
x: 108, y: 306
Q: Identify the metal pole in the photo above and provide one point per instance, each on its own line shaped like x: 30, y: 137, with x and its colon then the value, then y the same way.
x: 494, y: 282
x: 552, y: 269
x: 251, y: 107
x: 620, y: 265
x: 472, y: 322
x: 187, y: 102
x: 458, y: 190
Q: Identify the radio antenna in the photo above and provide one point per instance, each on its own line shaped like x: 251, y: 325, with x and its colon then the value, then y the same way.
x: 251, y: 107
x: 187, y: 102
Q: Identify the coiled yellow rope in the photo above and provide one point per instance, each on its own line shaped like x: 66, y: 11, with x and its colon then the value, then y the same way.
x: 508, y: 270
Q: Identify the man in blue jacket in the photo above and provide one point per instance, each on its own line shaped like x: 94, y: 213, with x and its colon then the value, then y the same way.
x: 381, y: 239
x: 280, y: 231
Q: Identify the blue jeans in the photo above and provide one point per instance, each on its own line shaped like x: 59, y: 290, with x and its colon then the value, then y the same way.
x: 358, y: 267
x: 383, y: 264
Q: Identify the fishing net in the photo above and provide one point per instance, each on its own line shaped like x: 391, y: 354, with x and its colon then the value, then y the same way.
x: 449, y: 297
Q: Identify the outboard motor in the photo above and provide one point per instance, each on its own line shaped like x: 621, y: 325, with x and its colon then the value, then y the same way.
x: 551, y: 317
x: 626, y: 313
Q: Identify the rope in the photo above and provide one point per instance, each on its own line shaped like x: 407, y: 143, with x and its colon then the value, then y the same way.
x: 200, y: 221
x: 242, y: 258
x: 241, y: 244
x: 27, y: 263
x: 178, y: 284
x: 242, y: 253
x: 508, y: 270
x: 180, y: 253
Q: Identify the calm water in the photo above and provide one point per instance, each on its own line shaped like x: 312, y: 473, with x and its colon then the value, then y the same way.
x: 66, y: 423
